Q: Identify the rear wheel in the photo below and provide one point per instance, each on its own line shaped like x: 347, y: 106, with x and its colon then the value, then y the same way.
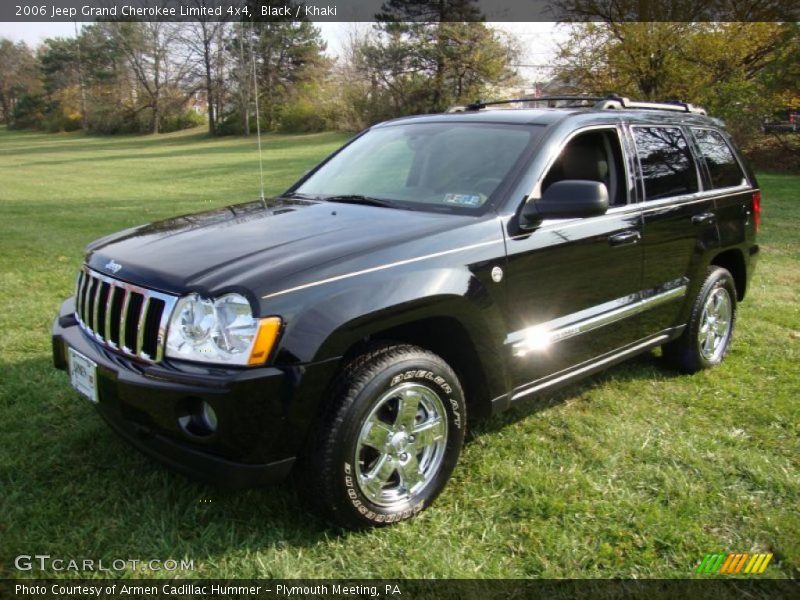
x: 390, y: 437
x: 707, y: 337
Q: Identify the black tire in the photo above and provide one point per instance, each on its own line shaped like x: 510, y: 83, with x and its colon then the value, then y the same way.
x: 340, y: 456
x: 689, y: 353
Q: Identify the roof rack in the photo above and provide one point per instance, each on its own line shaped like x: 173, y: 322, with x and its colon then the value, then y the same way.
x: 480, y: 104
x: 612, y: 102
x: 620, y: 102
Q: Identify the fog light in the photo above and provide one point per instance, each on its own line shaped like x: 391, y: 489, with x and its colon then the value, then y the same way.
x: 209, y: 416
x: 198, y: 418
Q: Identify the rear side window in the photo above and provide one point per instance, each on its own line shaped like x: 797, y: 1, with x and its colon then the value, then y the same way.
x: 722, y: 164
x: 668, y: 167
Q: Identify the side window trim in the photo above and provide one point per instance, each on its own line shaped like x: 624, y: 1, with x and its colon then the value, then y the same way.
x: 618, y: 129
x: 689, y: 142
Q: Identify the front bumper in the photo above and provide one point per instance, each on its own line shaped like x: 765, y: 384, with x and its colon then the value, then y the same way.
x: 263, y: 413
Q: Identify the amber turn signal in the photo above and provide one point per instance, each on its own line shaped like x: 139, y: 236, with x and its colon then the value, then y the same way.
x: 268, y: 330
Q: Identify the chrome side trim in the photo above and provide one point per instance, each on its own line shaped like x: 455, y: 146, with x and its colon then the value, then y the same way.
x: 542, y: 336
x: 399, y: 263
x: 588, y: 366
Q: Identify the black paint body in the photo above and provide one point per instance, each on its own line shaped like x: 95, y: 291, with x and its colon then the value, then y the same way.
x: 340, y: 275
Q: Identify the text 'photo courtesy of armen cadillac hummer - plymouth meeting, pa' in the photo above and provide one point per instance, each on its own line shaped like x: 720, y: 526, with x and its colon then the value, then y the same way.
x: 433, y: 270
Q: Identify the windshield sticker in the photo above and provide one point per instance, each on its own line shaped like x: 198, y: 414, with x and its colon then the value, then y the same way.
x: 463, y: 199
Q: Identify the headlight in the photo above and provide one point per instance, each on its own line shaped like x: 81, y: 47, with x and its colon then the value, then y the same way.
x: 220, y: 331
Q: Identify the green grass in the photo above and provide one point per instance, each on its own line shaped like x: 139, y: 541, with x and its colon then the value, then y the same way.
x: 637, y: 472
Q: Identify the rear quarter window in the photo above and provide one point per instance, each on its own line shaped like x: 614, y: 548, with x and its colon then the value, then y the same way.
x: 668, y: 167
x: 723, y: 168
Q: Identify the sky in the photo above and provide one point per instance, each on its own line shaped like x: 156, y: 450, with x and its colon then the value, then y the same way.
x: 539, y: 40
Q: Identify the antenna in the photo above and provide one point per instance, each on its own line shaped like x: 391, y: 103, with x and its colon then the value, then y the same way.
x: 258, y: 118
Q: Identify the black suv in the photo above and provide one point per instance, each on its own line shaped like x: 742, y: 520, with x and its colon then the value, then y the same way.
x: 434, y: 267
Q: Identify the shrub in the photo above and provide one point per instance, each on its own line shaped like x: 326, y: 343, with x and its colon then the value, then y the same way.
x: 301, y: 116
x: 181, y: 120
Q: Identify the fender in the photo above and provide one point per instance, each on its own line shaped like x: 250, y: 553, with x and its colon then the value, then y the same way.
x: 332, y: 323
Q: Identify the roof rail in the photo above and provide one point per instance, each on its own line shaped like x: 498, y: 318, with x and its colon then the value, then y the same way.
x: 620, y: 102
x: 479, y: 104
x: 612, y: 102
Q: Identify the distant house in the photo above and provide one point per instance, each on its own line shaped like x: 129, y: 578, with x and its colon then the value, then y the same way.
x: 198, y: 103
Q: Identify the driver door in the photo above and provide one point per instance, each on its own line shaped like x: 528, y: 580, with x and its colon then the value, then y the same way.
x: 572, y: 283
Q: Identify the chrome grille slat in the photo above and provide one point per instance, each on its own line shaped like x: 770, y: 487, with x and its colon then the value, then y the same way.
x: 96, y: 306
x: 107, y: 324
x: 79, y: 291
x: 87, y: 283
x: 140, y: 328
x: 123, y: 318
x: 146, y: 327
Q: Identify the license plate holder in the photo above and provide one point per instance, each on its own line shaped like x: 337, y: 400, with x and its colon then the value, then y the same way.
x: 83, y: 375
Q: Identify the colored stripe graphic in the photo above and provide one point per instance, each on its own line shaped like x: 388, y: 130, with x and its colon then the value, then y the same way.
x: 734, y: 563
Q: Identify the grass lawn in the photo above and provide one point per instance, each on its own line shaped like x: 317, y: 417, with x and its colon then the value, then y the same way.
x: 638, y: 472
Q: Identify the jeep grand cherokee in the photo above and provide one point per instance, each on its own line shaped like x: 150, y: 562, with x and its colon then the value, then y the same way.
x: 434, y: 267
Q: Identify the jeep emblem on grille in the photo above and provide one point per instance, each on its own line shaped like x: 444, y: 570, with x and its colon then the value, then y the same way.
x: 112, y: 266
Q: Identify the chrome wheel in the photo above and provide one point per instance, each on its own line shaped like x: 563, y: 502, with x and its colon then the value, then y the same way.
x: 401, y: 444
x: 715, y: 325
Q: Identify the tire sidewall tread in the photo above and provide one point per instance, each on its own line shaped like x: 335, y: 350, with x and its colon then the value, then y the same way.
x: 329, y: 473
x: 684, y: 352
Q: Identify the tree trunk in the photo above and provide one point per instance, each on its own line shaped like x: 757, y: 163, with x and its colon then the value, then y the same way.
x: 6, y: 109
x: 156, y: 116
x: 212, y: 126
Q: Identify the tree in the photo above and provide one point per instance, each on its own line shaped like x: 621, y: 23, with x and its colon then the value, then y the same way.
x: 730, y: 68
x: 428, y: 56
x: 205, y: 40
x: 286, y: 56
x: 18, y: 76
x: 161, y: 65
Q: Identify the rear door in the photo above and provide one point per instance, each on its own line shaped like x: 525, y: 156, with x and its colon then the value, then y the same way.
x: 680, y: 223
x: 725, y: 179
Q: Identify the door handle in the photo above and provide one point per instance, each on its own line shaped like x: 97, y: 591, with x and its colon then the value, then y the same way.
x: 624, y: 238
x: 703, y: 218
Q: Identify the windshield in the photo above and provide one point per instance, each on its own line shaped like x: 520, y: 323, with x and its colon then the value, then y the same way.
x: 434, y: 166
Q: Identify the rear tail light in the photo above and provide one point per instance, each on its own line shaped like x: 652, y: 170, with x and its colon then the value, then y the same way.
x: 757, y: 210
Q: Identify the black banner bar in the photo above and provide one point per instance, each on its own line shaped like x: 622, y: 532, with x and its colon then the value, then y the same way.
x: 439, y: 589
x: 416, y: 10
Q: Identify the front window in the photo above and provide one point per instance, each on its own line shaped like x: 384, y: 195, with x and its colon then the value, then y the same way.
x: 430, y: 166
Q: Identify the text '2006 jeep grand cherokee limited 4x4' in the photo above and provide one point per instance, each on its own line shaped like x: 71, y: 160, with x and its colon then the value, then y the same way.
x: 433, y: 267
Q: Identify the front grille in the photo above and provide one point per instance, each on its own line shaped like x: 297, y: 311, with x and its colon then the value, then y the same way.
x: 125, y: 317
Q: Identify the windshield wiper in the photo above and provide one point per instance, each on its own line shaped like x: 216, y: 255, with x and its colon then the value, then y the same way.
x: 300, y: 196
x: 359, y: 199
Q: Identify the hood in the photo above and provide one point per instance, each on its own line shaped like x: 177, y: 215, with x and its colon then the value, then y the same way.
x: 253, y: 247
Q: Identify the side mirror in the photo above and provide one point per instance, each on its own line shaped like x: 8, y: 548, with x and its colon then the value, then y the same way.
x: 568, y: 199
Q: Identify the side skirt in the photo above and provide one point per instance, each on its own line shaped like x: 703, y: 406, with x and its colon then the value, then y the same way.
x: 585, y: 369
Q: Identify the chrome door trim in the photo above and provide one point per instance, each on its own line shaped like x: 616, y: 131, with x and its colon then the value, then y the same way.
x: 589, y: 365
x: 540, y: 337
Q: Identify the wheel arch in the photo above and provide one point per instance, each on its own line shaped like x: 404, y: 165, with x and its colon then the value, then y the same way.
x: 733, y: 260
x: 447, y: 337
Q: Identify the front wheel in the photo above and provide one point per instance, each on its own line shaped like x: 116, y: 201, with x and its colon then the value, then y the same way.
x: 707, y: 337
x: 389, y: 439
